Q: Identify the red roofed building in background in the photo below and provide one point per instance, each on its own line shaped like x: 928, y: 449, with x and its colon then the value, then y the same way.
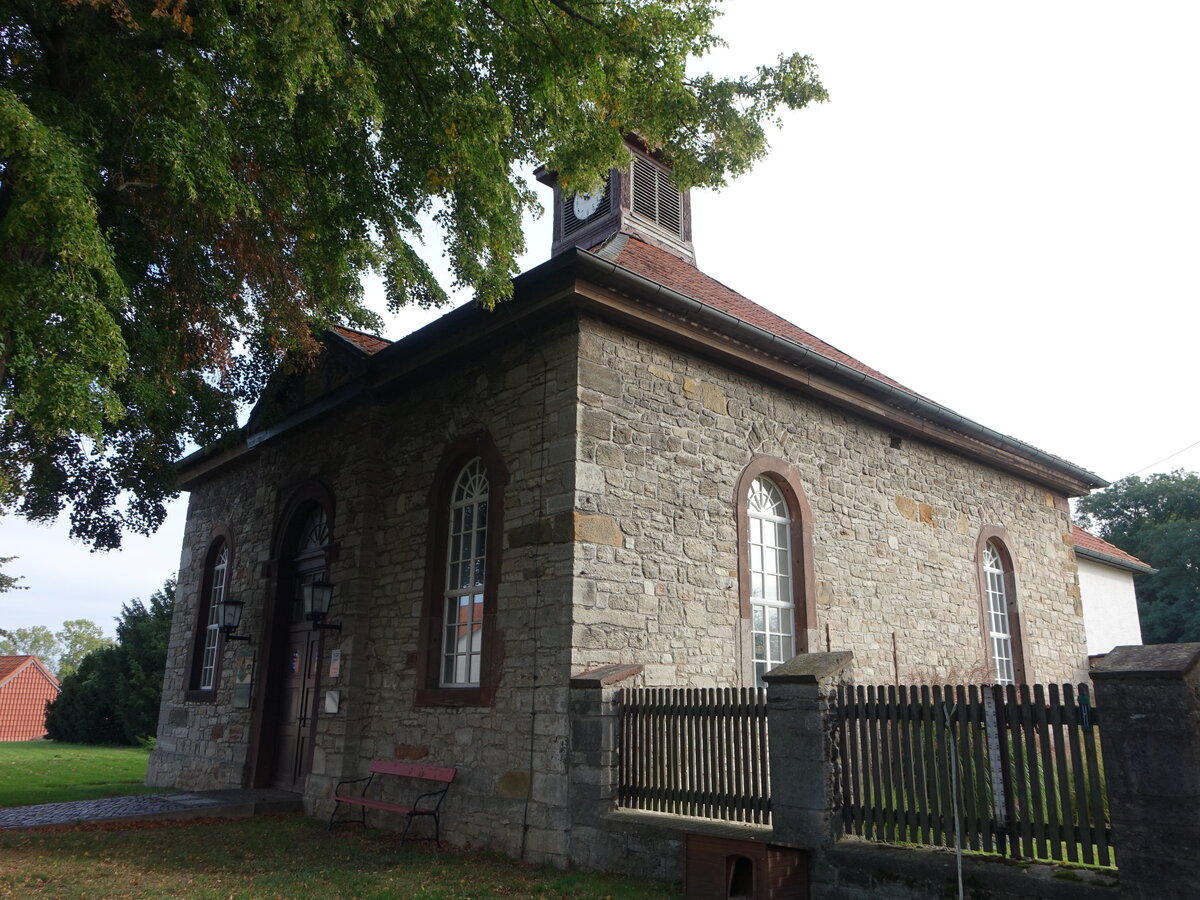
x: 26, y: 686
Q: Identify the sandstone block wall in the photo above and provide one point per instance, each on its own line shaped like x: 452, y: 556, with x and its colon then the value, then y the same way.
x: 663, y: 438
x: 378, y: 461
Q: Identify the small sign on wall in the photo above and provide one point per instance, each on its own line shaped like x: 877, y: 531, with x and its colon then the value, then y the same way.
x: 332, y: 701
x: 243, y: 677
x: 335, y: 664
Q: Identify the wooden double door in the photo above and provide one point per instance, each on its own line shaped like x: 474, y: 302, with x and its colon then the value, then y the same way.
x: 296, y: 707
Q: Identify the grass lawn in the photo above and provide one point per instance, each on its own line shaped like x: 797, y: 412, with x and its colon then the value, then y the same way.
x: 275, y: 857
x: 49, y: 772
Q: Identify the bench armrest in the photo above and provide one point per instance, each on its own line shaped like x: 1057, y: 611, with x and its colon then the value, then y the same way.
x: 439, y: 794
x: 367, y: 779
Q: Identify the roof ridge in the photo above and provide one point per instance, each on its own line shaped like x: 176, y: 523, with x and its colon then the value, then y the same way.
x: 802, y: 336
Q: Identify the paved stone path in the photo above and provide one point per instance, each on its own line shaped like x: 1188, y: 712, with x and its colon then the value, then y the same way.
x: 196, y: 804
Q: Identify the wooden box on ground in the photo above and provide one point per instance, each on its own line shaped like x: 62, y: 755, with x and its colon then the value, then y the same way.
x: 717, y: 868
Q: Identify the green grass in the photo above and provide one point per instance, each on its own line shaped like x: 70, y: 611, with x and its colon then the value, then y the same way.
x: 49, y: 772
x: 276, y: 857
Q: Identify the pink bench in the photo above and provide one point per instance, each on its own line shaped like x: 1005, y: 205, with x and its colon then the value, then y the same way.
x: 426, y: 804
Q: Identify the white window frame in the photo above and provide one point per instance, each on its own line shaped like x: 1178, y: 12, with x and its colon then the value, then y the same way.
x: 466, y: 573
x: 769, y: 567
x: 212, y: 635
x: 1000, y: 636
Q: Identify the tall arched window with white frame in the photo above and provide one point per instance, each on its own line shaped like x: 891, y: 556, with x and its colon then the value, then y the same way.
x: 769, y: 558
x: 466, y: 569
x: 208, y: 663
x: 1000, y: 632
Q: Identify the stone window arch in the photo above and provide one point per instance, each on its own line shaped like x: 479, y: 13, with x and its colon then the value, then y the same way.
x: 999, y: 607
x: 207, y: 643
x: 459, y: 655
x: 775, y: 579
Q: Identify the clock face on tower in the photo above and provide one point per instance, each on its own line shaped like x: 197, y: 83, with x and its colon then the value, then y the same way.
x: 585, y: 205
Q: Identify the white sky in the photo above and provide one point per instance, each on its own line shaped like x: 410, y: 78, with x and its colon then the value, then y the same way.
x: 998, y: 208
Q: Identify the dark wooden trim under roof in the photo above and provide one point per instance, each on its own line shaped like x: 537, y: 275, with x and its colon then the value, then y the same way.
x: 588, y: 281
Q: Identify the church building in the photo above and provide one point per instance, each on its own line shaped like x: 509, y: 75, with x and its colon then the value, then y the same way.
x: 629, y: 469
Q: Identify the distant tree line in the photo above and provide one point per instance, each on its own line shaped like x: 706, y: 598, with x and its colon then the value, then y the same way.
x: 61, y: 651
x: 113, y: 696
x: 1157, y: 519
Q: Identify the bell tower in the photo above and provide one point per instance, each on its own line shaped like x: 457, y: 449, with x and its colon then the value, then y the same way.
x: 640, y: 199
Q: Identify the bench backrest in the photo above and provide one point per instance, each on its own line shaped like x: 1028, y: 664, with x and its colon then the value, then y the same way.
x: 409, y: 770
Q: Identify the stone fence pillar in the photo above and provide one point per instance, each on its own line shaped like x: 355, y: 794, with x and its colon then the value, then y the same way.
x: 805, y: 758
x: 592, y: 757
x: 1148, y: 699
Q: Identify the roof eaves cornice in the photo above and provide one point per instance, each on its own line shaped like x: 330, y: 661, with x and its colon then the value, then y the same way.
x: 1116, y: 562
x: 1072, y: 478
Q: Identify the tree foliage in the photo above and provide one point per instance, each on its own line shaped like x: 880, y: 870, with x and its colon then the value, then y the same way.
x: 37, y: 640
x: 61, y: 651
x: 76, y: 639
x: 113, y: 697
x: 186, y: 189
x: 1157, y: 519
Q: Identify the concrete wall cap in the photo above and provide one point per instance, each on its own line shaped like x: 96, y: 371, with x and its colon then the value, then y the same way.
x: 1165, y: 662
x: 810, y: 668
x: 602, y: 676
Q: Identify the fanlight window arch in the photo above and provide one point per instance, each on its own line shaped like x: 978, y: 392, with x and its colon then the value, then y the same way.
x: 1000, y: 625
x: 466, y: 570
x: 769, y: 552
x: 314, y: 533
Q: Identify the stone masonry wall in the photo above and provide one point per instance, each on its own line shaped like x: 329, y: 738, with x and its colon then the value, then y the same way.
x: 663, y: 438
x: 378, y: 461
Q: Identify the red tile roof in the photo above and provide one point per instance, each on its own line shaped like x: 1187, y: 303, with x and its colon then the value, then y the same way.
x: 25, y: 687
x: 369, y: 343
x: 1085, y: 540
x: 673, y: 272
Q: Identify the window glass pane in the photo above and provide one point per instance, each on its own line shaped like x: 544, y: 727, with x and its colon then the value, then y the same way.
x: 466, y: 572
x: 770, y: 563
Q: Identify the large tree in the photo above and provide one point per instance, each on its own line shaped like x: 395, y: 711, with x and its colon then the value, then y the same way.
x: 113, y: 695
x: 1157, y: 519
x: 76, y: 639
x: 187, y: 189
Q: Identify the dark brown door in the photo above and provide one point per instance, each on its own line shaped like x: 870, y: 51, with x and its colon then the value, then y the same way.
x: 297, y: 707
x: 296, y: 676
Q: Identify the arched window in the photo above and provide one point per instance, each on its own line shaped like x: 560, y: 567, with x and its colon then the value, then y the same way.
x: 466, y: 567
x: 459, y: 655
x: 775, y: 578
x: 1001, y: 621
x: 772, y: 610
x: 206, y: 646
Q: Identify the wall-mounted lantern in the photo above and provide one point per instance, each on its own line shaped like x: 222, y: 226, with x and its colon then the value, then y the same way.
x: 317, y: 595
x: 229, y: 612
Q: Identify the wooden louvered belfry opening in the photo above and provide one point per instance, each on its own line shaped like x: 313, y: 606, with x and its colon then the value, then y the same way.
x: 654, y: 195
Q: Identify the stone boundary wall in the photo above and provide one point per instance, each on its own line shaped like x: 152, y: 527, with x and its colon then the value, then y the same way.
x: 859, y: 870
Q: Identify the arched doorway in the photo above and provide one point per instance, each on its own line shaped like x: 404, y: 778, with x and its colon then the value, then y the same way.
x: 296, y: 650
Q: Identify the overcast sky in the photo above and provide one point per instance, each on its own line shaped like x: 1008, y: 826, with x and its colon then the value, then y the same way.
x: 997, y: 208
